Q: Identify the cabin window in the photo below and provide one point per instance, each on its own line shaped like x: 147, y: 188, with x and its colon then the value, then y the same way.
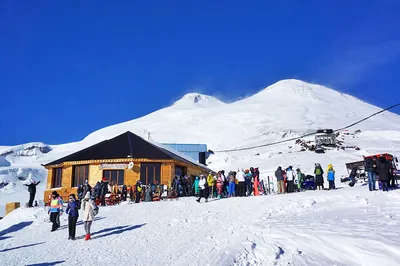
x: 150, y: 173
x: 115, y: 177
x: 79, y: 175
x: 56, y: 178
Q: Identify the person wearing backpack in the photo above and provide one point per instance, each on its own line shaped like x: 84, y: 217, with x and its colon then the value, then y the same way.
x: 319, y: 178
x: 73, y: 214
x: 331, y: 177
x: 90, y: 210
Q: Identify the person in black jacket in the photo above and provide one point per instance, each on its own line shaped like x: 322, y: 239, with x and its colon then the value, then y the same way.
x: 138, y: 191
x: 279, y: 179
x: 104, y: 191
x: 32, y: 192
x: 80, y: 192
x: 124, y: 193
x: 371, y: 168
x: 384, y: 173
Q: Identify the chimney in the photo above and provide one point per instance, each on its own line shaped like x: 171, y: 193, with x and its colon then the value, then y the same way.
x: 202, y: 157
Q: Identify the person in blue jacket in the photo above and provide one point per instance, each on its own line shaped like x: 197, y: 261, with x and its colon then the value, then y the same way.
x: 73, y: 214
x: 331, y: 177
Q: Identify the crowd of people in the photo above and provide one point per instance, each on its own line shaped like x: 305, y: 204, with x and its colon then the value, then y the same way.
x: 240, y: 183
x: 382, y: 170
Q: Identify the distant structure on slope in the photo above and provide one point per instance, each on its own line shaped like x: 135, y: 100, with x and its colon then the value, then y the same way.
x: 325, y: 137
x: 197, y: 152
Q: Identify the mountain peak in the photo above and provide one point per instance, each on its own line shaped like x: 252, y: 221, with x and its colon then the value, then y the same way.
x: 193, y: 100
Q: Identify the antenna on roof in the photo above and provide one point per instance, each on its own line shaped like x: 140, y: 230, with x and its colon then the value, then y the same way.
x: 148, y: 136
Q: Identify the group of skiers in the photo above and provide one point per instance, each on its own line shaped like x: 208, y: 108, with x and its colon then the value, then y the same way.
x: 86, y: 205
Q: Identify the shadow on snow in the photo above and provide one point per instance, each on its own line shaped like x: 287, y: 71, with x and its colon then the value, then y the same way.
x: 116, y: 230
x: 24, y: 246
x: 14, y: 228
x: 80, y: 223
x: 47, y: 263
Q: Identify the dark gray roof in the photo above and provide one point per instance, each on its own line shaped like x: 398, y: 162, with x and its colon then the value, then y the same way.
x: 127, y: 145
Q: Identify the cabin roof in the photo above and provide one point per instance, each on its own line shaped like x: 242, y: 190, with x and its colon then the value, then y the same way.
x: 127, y: 145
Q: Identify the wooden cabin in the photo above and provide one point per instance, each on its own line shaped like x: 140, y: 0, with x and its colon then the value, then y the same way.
x: 122, y: 160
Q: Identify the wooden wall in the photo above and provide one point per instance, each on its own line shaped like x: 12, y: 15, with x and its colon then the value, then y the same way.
x: 167, y: 172
x: 131, y: 175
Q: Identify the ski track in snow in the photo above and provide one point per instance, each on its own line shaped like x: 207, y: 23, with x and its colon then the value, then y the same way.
x: 348, y: 226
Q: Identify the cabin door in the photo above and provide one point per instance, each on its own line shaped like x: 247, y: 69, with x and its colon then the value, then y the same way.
x: 150, y: 173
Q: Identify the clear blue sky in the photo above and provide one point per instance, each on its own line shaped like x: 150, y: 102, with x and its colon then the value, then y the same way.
x: 71, y: 67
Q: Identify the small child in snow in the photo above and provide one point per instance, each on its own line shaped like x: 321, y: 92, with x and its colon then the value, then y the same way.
x: 73, y: 214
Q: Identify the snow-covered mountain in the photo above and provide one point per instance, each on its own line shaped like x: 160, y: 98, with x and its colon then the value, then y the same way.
x: 288, y: 108
x: 197, y: 100
x: 288, y: 105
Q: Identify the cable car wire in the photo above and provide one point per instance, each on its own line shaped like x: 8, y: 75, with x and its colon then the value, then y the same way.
x: 307, y: 135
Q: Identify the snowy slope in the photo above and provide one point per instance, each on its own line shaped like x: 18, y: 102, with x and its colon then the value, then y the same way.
x: 342, y: 227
